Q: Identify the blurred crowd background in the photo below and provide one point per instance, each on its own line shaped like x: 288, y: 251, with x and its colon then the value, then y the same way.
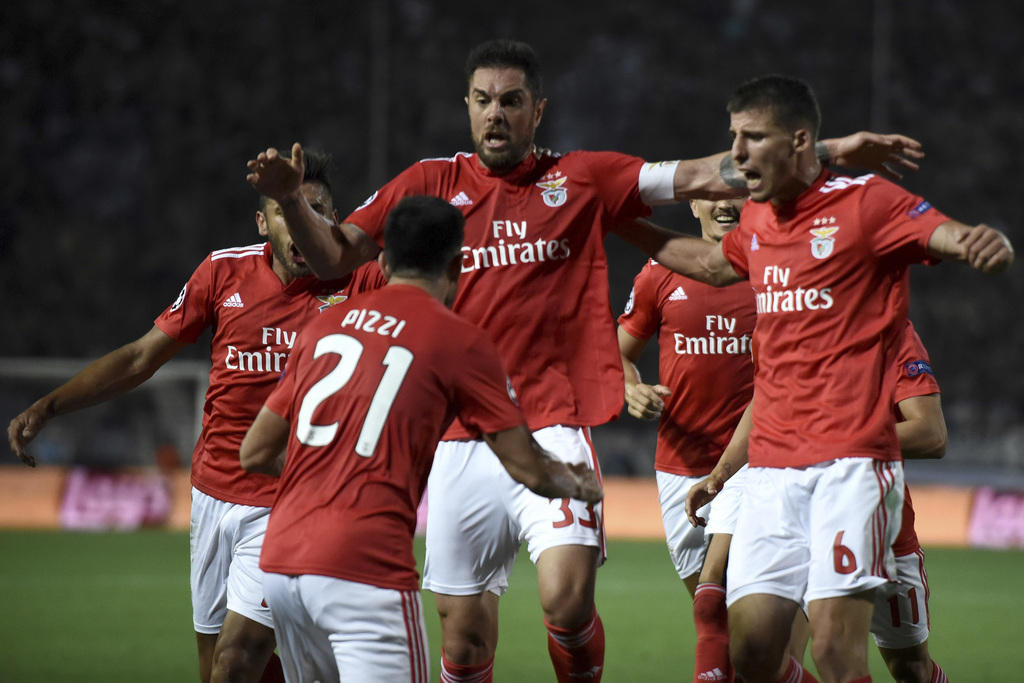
x: 127, y: 125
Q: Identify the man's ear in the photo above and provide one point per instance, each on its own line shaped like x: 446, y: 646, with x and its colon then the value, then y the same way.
x: 802, y: 140
x: 261, y: 222
x: 385, y: 268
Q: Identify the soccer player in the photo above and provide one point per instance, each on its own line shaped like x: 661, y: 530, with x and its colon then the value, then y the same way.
x: 366, y: 396
x: 822, y: 252
x: 900, y: 624
x: 705, y: 376
x: 706, y: 380
x: 256, y: 299
x: 534, y: 277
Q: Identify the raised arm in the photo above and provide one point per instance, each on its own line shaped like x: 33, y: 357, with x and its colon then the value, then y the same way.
x: 687, y: 255
x: 332, y: 251
x: 103, y: 379
x: 981, y: 247
x: 922, y: 433
x: 263, y: 448
x: 644, y: 401
x: 529, y: 464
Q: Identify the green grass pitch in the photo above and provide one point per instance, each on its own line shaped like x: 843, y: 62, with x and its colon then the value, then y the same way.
x: 114, y: 607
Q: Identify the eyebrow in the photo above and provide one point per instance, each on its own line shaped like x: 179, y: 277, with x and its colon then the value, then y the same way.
x: 513, y: 91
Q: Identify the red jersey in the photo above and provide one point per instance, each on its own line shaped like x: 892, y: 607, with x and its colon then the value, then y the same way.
x: 704, y: 336
x: 822, y: 268
x: 369, y: 391
x: 255, y: 319
x: 534, y: 271
x: 913, y: 378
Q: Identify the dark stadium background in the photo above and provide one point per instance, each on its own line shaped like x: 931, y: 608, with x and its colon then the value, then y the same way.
x: 126, y: 127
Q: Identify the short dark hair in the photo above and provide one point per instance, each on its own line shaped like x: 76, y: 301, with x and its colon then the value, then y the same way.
x: 511, y: 54
x: 790, y: 101
x: 319, y: 165
x: 422, y: 235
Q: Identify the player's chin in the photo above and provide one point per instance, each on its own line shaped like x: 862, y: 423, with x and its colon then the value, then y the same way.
x: 299, y: 269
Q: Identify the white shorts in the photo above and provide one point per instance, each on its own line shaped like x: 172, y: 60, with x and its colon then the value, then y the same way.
x: 725, y: 508
x: 477, y: 515
x: 225, y: 541
x: 686, y: 544
x: 331, y: 630
x: 816, y: 532
x: 901, y: 617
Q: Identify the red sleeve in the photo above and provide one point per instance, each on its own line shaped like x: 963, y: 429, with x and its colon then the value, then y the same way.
x: 372, y: 214
x: 485, y: 398
x: 914, y: 375
x: 903, y: 222
x: 617, y: 179
x: 642, y: 317
x: 734, y: 247
x: 191, y: 312
x: 367, y: 277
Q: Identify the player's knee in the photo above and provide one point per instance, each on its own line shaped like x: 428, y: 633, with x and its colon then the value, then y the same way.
x: 569, y: 608
x: 469, y: 628
x: 753, y: 654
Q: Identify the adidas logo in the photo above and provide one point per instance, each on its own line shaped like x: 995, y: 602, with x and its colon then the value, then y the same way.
x: 233, y: 301
x: 715, y: 674
x: 678, y: 295
x: 460, y: 200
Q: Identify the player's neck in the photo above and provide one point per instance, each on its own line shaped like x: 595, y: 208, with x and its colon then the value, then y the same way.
x: 437, y: 288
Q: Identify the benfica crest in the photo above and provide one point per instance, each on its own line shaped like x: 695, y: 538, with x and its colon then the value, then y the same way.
x: 331, y: 300
x: 554, y: 194
x: 823, y: 242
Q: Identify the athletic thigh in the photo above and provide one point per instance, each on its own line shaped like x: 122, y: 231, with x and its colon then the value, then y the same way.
x: 548, y: 523
x: 225, y: 541
x: 725, y: 508
x: 855, y: 515
x: 471, y: 539
x: 770, y: 550
x: 686, y: 543
x: 305, y: 648
x: 901, y: 618
x: 378, y: 635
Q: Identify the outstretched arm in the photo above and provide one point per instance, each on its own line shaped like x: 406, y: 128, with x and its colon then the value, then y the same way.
x: 644, y: 401
x: 263, y: 448
x: 922, y: 433
x: 332, y: 251
x: 103, y: 379
x: 733, y: 458
x: 529, y: 464
x: 687, y: 255
x: 886, y: 155
x: 714, y: 177
x: 981, y: 247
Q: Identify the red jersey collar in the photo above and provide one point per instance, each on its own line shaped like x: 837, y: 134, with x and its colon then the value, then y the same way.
x: 520, y: 175
x: 805, y: 198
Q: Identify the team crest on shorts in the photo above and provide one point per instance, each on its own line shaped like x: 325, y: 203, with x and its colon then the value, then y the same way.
x: 554, y: 195
x: 329, y: 300
x: 823, y: 243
